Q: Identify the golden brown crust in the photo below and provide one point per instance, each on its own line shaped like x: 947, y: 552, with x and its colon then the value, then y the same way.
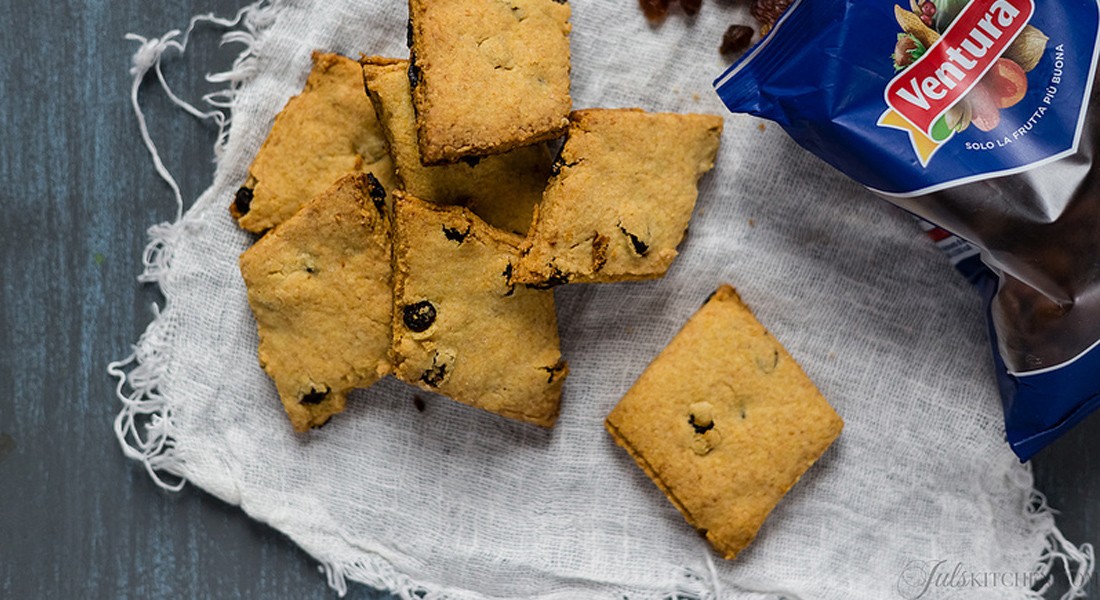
x: 460, y: 327
x: 328, y: 130
x: 319, y: 285
x: 621, y: 198
x: 724, y: 422
x: 490, y: 75
x: 501, y: 189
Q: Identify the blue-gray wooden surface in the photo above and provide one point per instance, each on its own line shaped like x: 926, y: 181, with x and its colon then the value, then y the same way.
x: 77, y: 520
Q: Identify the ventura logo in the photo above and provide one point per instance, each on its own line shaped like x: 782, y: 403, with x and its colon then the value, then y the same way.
x: 949, y: 68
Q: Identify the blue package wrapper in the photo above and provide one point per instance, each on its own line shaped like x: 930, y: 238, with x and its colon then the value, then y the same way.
x: 979, y: 117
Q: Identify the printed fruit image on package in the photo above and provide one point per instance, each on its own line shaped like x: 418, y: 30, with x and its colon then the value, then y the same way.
x: 1003, y: 85
x: 981, y: 118
x: 944, y: 87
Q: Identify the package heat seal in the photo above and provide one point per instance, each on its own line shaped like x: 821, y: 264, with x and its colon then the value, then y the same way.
x: 980, y: 117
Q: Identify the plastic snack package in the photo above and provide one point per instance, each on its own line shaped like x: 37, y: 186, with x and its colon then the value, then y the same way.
x: 980, y: 118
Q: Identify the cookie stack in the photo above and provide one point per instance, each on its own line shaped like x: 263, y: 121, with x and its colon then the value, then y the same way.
x: 415, y: 219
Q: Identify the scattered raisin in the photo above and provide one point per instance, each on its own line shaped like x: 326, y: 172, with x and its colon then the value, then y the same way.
x: 558, y: 278
x: 555, y: 167
x: 508, y: 280
x: 419, y: 317
x: 555, y: 279
x: 555, y: 370
x: 691, y: 7
x: 640, y: 248
x: 455, y: 235
x: 736, y: 40
x: 700, y: 429
x: 314, y: 396
x: 414, y: 72
x: 419, y: 403
x: 654, y: 10
x: 435, y: 375
x: 243, y: 201
x: 441, y: 367
x: 377, y: 193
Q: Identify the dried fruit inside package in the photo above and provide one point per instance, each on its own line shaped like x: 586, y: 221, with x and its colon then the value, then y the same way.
x: 767, y: 12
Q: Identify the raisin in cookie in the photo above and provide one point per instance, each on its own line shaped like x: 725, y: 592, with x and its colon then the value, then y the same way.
x: 502, y: 190
x: 621, y: 198
x: 724, y: 422
x: 460, y: 326
x: 320, y: 287
x: 328, y: 130
x: 488, y: 75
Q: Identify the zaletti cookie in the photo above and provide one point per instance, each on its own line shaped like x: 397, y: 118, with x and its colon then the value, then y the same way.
x: 488, y: 75
x: 460, y: 327
x: 320, y: 287
x: 503, y: 190
x: 623, y: 193
x: 724, y: 422
x: 328, y: 130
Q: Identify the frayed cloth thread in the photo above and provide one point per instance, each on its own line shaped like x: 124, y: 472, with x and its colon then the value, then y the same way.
x: 1075, y: 563
x: 144, y: 427
x: 150, y: 56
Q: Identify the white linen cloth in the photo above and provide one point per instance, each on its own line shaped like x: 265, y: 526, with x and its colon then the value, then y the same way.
x: 457, y: 503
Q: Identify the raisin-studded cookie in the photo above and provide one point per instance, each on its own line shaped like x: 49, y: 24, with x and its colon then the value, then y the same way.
x: 621, y: 198
x: 488, y: 75
x: 460, y: 327
x: 328, y: 130
x: 724, y: 422
x: 320, y: 287
x: 502, y: 189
